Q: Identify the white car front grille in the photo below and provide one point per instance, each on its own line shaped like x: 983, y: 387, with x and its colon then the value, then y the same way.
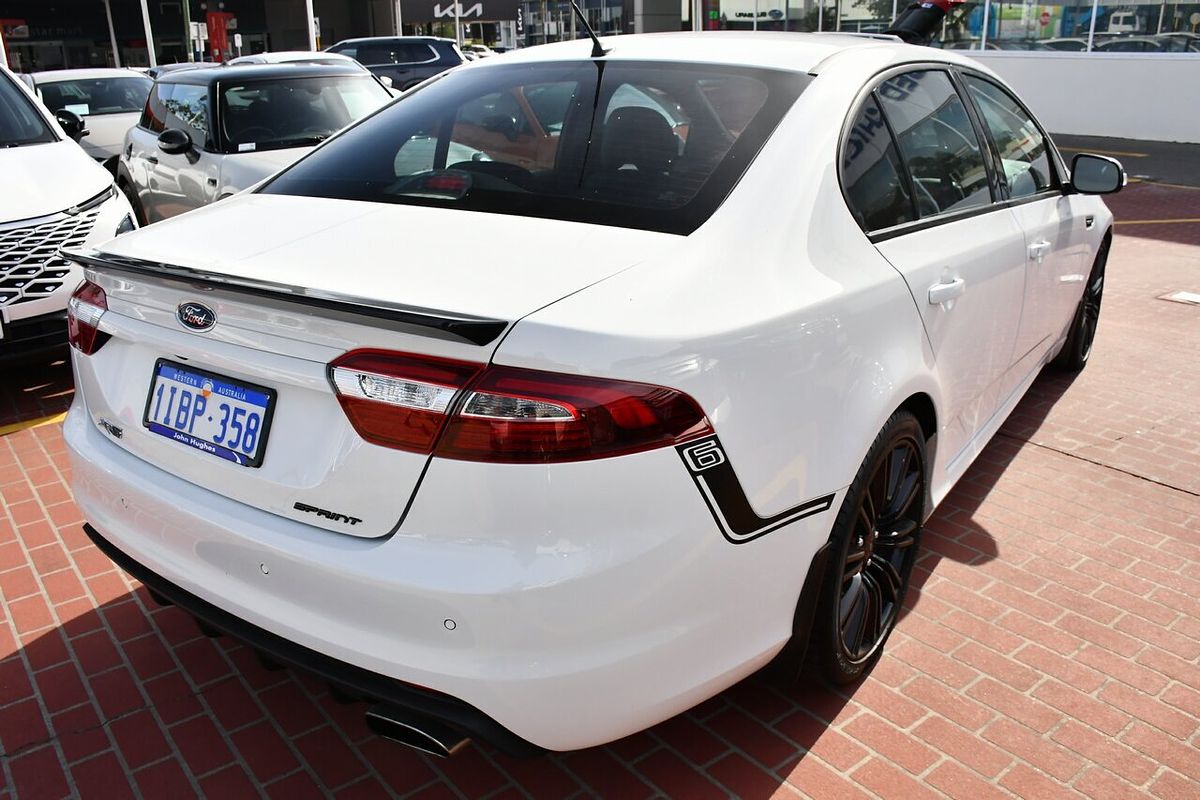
x: 30, y: 267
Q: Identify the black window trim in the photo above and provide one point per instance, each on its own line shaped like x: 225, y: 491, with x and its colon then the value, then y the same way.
x: 869, y: 90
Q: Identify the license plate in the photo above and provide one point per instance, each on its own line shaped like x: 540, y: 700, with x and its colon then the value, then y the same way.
x: 209, y: 412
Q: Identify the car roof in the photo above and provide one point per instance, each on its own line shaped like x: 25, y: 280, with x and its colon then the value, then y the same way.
x: 54, y: 76
x: 362, y: 39
x: 287, y: 56
x: 253, y: 72
x: 797, y: 52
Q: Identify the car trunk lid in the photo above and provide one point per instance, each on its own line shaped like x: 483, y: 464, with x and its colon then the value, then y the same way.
x: 292, y: 285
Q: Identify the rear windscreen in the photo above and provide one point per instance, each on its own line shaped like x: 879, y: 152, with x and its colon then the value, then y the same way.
x: 641, y: 145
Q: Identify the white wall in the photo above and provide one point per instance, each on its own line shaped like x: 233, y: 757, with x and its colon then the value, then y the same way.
x: 1127, y: 95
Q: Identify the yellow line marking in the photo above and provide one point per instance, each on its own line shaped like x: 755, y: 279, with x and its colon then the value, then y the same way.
x: 1172, y: 185
x: 1103, y: 152
x: 14, y: 427
x: 1157, y: 221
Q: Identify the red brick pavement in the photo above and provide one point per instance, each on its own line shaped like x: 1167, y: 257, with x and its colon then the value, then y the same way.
x: 1050, y: 650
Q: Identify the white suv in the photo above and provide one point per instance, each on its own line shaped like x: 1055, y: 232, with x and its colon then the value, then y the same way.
x: 55, y: 196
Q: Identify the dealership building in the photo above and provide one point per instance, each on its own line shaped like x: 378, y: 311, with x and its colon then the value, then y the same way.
x: 52, y: 34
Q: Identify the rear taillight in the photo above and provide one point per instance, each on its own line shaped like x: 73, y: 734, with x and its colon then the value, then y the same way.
x: 398, y: 400
x: 519, y: 415
x: 505, y: 414
x: 84, y: 310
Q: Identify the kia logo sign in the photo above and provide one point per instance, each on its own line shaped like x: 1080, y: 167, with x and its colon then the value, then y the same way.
x: 196, y: 316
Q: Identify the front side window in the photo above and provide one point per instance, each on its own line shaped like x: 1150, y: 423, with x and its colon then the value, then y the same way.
x: 20, y: 123
x: 652, y: 146
x: 876, y: 188
x: 1020, y: 144
x: 186, y: 108
x: 97, y: 96
x: 267, y: 115
x: 937, y: 142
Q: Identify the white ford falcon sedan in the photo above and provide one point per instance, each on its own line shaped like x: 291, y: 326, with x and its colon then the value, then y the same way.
x: 743, y: 308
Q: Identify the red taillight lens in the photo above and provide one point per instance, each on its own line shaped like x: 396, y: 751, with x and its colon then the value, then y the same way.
x: 506, y: 414
x: 84, y: 309
x: 398, y: 400
x: 526, y: 416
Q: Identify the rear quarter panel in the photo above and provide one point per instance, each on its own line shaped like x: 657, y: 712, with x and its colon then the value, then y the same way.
x: 796, y: 337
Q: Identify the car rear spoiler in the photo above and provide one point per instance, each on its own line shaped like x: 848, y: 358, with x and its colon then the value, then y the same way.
x: 472, y: 329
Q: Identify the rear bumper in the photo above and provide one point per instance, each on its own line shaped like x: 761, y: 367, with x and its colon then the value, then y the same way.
x: 361, y: 683
x: 557, y: 608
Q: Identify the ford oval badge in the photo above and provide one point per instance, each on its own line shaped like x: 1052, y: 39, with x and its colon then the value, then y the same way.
x: 196, y: 316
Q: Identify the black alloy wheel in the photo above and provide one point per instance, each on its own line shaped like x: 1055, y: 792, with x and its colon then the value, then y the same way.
x: 875, y: 543
x: 1078, y: 347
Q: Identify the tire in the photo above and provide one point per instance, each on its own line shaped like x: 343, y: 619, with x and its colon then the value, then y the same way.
x: 131, y: 196
x: 1078, y: 348
x: 868, y: 574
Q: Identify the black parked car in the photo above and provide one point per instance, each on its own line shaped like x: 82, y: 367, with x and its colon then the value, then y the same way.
x: 407, y: 60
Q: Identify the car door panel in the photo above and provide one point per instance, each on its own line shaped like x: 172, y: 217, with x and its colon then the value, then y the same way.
x: 972, y: 327
x: 1055, y: 250
x: 961, y: 254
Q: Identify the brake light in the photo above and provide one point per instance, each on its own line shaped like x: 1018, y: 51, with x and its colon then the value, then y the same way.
x: 397, y: 400
x: 505, y: 414
x: 528, y: 416
x: 84, y: 310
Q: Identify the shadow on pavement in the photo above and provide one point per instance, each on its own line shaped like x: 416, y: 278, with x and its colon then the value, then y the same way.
x: 35, y: 387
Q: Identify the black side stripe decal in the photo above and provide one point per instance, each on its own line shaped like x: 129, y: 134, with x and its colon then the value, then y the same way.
x: 710, y: 468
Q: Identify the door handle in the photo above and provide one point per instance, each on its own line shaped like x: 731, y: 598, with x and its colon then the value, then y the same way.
x: 152, y: 159
x: 1038, y: 250
x: 946, y: 291
x: 1089, y: 221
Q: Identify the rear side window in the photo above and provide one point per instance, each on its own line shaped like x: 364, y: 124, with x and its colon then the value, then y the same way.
x: 652, y: 146
x: 937, y: 142
x: 1020, y: 144
x: 876, y: 188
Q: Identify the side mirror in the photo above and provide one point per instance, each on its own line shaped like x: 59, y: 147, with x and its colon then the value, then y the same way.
x: 1096, y: 174
x: 71, y: 123
x: 174, y: 142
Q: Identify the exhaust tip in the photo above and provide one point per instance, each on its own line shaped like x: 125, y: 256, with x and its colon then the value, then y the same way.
x: 421, y: 733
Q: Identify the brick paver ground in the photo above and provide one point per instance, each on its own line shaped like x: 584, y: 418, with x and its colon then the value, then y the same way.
x: 1050, y: 648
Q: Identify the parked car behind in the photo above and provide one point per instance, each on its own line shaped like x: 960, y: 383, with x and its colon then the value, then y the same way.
x: 108, y: 100
x: 1179, y: 42
x: 303, y: 57
x: 208, y: 133
x: 1066, y: 44
x: 65, y: 199
x: 687, y: 416
x: 1130, y: 44
x: 407, y: 60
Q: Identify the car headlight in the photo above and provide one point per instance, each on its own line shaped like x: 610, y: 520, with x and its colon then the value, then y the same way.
x: 126, y: 225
